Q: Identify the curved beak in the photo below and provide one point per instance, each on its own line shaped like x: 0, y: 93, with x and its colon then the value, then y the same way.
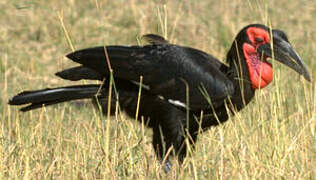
x: 284, y: 53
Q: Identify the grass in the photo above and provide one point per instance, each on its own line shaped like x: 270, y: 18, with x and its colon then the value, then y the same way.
x: 273, y: 137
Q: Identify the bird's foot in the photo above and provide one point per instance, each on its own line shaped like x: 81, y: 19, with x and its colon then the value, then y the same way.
x: 166, y: 165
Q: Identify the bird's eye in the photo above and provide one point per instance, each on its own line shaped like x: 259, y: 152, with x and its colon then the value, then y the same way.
x: 258, y: 40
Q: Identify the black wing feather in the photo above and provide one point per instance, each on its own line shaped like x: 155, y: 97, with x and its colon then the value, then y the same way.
x: 165, y: 68
x: 79, y: 73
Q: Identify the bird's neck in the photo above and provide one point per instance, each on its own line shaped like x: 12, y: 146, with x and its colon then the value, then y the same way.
x: 239, y: 74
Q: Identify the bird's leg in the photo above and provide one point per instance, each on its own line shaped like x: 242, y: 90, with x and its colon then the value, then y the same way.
x: 183, y: 150
x: 161, y: 148
x: 172, y: 141
x: 167, y: 142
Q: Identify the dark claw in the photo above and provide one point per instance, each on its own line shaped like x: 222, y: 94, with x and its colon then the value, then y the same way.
x: 167, y: 166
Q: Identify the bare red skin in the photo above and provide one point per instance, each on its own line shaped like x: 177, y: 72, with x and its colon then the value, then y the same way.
x: 260, y: 71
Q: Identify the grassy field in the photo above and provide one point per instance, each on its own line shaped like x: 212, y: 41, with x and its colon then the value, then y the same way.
x: 272, y: 138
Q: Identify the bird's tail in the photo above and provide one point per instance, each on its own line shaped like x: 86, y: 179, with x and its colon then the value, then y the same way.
x: 38, y: 98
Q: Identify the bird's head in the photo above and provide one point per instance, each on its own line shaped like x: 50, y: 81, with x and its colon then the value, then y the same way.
x: 255, y: 44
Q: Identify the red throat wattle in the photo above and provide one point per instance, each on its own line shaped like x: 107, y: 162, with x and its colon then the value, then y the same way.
x: 260, y: 71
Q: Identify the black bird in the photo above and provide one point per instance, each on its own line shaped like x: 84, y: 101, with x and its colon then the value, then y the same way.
x: 178, y: 82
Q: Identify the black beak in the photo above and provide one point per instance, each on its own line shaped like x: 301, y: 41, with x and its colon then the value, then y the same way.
x: 284, y: 53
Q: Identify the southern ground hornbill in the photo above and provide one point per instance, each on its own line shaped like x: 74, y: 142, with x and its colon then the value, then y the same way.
x: 178, y: 82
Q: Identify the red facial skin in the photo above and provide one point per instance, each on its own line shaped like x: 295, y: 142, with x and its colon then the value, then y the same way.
x: 260, y: 71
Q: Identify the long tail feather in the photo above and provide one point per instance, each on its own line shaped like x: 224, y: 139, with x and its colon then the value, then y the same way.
x: 38, y: 98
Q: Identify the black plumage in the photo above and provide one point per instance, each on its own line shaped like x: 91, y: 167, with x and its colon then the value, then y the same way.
x: 176, y: 80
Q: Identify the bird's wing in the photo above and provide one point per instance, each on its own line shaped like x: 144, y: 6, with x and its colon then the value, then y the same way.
x: 82, y: 72
x: 180, y: 75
